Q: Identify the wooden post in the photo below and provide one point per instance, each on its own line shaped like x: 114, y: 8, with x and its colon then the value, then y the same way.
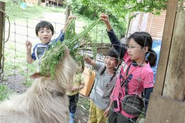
x: 166, y: 104
x: 2, y: 29
x: 175, y: 74
x: 165, y: 110
x: 166, y: 44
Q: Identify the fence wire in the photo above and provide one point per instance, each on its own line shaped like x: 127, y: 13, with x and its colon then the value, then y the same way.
x: 15, y: 52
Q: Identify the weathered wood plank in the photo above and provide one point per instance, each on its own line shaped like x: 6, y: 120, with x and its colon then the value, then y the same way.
x: 165, y: 110
x: 175, y: 75
x: 166, y: 44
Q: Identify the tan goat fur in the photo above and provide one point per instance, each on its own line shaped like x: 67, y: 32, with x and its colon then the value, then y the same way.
x: 45, y: 101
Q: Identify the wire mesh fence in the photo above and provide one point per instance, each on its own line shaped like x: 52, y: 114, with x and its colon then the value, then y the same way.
x: 17, y: 71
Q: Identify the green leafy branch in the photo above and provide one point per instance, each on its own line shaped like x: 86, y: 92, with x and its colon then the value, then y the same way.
x: 56, y: 52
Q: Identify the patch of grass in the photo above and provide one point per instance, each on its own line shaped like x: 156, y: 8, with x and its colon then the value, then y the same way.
x: 83, y: 103
x: 27, y: 82
x: 14, y: 10
x: 5, y: 92
x: 16, y: 64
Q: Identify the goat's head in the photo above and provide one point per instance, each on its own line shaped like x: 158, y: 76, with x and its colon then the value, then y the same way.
x: 64, y: 72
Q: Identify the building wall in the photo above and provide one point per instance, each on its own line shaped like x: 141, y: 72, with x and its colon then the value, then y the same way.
x: 153, y: 24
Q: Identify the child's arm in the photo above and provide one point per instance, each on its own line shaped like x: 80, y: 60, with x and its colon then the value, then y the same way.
x: 77, y: 88
x: 67, y: 23
x: 89, y: 61
x: 112, y: 36
x: 28, y: 55
x: 105, y: 19
x: 106, y: 112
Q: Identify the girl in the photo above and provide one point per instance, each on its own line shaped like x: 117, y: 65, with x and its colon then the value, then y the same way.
x: 73, y: 94
x: 104, y: 83
x: 136, y: 72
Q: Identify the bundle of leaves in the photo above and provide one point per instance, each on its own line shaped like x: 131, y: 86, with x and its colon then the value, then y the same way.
x: 55, y: 52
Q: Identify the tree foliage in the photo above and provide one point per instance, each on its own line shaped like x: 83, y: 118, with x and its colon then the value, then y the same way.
x: 123, y: 7
x: 118, y: 10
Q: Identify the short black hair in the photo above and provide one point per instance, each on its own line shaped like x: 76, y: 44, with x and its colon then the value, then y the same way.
x: 44, y: 24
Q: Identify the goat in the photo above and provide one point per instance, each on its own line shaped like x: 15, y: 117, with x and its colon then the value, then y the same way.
x: 45, y: 101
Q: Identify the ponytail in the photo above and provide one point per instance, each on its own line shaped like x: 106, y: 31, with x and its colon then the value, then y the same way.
x: 152, y: 57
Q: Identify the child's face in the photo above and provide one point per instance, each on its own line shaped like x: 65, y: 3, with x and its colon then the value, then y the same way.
x: 110, y: 62
x: 135, y: 51
x: 45, y: 35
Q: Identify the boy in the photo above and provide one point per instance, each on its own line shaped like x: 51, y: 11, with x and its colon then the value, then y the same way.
x: 44, y: 31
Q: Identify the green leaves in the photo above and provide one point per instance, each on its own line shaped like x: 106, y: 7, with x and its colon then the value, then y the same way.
x: 121, y: 7
x: 56, y: 52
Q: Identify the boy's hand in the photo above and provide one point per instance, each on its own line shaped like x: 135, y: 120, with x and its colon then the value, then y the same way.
x: 28, y: 45
x: 68, y: 21
x: 71, y: 16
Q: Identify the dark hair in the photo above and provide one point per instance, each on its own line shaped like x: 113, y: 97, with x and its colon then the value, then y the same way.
x: 112, y: 53
x: 144, y: 39
x: 44, y: 24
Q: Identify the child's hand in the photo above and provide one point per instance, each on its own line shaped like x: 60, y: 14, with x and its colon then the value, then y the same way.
x: 70, y: 18
x: 67, y: 23
x: 104, y: 17
x: 28, y: 45
x: 87, y: 59
x: 74, y: 89
x: 106, y: 112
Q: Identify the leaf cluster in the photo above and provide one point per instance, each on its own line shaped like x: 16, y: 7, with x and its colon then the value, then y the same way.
x: 119, y: 11
x: 55, y: 52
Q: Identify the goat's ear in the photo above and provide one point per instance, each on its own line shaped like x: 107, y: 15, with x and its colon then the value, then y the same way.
x: 35, y: 76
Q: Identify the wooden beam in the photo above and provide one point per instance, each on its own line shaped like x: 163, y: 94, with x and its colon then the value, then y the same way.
x: 2, y: 25
x: 166, y: 44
